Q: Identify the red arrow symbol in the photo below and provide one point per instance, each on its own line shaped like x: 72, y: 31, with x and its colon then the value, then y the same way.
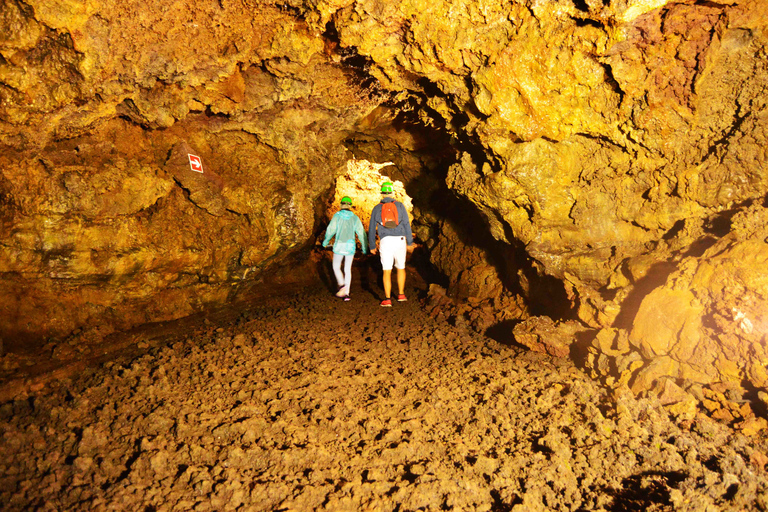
x: 195, y: 163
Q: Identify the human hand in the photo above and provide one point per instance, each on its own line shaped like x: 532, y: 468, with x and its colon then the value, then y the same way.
x: 373, y: 251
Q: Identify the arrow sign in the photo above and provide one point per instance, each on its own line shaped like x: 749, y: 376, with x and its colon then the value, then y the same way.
x: 195, y: 163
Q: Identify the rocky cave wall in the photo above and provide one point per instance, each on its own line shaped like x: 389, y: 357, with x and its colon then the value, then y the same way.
x: 103, y: 220
x: 618, y: 147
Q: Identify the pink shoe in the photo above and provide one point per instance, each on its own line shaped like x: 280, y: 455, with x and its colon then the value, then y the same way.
x: 401, y: 298
x: 386, y: 303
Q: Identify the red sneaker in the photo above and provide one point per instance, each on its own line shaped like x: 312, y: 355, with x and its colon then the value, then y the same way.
x: 401, y: 298
x: 386, y: 303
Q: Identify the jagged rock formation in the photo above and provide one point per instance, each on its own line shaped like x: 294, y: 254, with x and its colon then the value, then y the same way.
x: 616, y: 147
x: 103, y: 220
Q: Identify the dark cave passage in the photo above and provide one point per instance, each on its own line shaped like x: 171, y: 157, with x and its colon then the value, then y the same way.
x: 422, y: 153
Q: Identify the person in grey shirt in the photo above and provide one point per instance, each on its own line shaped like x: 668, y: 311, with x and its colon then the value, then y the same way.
x: 395, y: 239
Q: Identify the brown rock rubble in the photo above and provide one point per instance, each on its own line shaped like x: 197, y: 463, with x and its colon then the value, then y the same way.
x: 306, y: 403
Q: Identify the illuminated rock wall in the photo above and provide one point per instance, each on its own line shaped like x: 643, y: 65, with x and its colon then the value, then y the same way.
x: 622, y: 144
x: 103, y: 219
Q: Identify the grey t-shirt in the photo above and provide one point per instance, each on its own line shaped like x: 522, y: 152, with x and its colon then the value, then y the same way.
x: 402, y: 229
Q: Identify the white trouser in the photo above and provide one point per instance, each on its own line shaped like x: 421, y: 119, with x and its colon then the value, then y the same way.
x: 344, y: 279
x: 393, y: 250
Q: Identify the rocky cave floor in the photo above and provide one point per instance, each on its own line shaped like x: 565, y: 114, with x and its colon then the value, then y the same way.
x: 304, y: 402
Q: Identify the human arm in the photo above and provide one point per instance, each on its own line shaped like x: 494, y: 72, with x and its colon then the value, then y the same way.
x: 372, y: 228
x: 360, y: 232
x: 330, y: 231
x: 406, y: 219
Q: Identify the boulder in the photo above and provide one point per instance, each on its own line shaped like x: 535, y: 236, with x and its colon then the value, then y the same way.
x: 542, y: 334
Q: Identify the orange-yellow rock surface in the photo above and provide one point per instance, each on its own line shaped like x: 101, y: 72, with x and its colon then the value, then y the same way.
x: 104, y: 220
x: 615, y: 148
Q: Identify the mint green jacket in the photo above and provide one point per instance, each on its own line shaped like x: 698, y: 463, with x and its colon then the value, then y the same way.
x: 344, y: 226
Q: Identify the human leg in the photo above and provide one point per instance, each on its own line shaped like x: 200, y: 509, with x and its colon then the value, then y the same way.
x: 347, y: 273
x: 386, y: 254
x: 337, y: 260
x: 399, y: 253
x: 401, y: 281
x: 387, y: 278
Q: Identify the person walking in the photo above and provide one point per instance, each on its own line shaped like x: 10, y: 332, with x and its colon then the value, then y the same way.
x: 390, y: 220
x: 344, y: 226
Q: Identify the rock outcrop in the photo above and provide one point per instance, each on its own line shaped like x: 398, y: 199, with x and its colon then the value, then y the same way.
x: 104, y: 218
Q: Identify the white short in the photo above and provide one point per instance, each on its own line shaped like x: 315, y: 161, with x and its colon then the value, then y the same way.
x: 392, y: 249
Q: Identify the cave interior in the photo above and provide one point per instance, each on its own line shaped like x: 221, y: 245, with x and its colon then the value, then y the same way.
x: 586, y: 179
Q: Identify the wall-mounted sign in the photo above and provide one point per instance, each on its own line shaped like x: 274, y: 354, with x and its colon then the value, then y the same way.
x: 195, y: 163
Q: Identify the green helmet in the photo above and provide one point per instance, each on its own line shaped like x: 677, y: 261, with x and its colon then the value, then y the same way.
x: 386, y: 187
x: 346, y: 200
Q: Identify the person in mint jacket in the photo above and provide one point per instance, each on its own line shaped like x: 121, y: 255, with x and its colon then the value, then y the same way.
x: 344, y: 226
